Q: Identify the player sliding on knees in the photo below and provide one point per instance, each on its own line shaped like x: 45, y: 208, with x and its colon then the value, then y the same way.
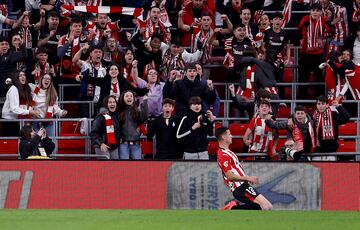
x: 240, y: 184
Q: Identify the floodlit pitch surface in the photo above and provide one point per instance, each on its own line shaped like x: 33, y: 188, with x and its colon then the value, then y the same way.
x: 176, y: 219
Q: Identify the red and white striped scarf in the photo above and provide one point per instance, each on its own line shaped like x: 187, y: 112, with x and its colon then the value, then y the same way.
x: 40, y: 70
x: 356, y: 13
x: 26, y: 37
x: 333, y: 83
x: 326, y: 123
x: 171, y: 61
x: 152, y: 28
x: 50, y: 109
x: 315, y: 33
x: 229, y: 60
x: 263, y: 137
x: 352, y: 78
x: 127, y: 75
x: 203, y: 37
x: 249, y: 91
x: 4, y: 10
x: 136, y: 12
x: 299, y: 139
x: 110, y: 131
x: 147, y: 68
x: 26, y: 106
x: 287, y: 12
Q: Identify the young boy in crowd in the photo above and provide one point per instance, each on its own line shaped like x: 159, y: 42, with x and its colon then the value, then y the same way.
x: 193, y: 131
x: 164, y: 129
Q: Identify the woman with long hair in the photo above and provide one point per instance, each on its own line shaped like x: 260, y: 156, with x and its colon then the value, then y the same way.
x: 127, y: 69
x: 18, y: 103
x: 112, y: 84
x: 131, y: 116
x: 105, y: 131
x: 46, y: 102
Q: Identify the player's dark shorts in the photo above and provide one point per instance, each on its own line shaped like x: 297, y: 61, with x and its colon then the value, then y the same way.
x: 245, y: 193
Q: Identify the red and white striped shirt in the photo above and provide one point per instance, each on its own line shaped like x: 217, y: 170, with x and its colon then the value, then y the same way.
x: 228, y: 161
x: 263, y: 136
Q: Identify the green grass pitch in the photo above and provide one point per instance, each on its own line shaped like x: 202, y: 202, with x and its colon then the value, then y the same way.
x: 176, y: 219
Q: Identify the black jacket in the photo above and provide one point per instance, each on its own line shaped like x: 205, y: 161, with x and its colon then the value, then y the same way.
x: 340, y: 118
x: 31, y: 147
x: 182, y: 90
x: 8, y: 65
x: 98, y: 130
x: 167, y: 146
x: 105, y: 86
x: 194, y: 141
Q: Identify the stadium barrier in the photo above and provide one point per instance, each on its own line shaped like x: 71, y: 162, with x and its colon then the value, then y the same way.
x: 172, y: 185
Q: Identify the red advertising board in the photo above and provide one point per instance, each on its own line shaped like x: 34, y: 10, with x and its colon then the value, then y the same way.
x: 151, y: 185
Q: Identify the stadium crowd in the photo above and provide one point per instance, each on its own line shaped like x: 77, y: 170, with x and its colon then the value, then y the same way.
x: 145, y: 68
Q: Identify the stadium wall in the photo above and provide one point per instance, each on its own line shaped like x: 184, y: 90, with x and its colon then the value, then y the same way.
x: 173, y: 185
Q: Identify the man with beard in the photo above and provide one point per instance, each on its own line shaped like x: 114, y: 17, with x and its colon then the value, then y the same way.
x: 91, y: 68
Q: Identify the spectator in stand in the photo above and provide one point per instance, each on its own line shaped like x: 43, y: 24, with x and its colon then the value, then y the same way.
x: 182, y: 90
x: 277, y: 39
x: 189, y: 20
x: 16, y: 42
x: 112, y: 52
x: 164, y: 129
x: 68, y: 46
x: 300, y: 127
x: 148, y: 53
x: 50, y: 35
x: 258, y: 136
x: 102, y: 29
x: 105, y: 131
x: 245, y: 16
x: 175, y: 58
x: 113, y: 84
x: 46, y: 102
x: 232, y: 9
x: 353, y: 44
x: 312, y: 28
x: 42, y: 66
x: 6, y: 20
x: 131, y: 117
x: 264, y: 25
x: 34, y: 144
x: 235, y: 47
x: 92, y: 68
x: 18, y: 104
x: 336, y: 16
x: 194, y: 129
x: 155, y: 96
x: 126, y: 67
x: 8, y: 60
x: 153, y: 25
x: 214, y: 107
x: 356, y: 13
x: 326, y: 123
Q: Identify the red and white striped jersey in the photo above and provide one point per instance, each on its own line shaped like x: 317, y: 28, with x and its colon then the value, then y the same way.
x: 228, y: 161
x: 263, y: 136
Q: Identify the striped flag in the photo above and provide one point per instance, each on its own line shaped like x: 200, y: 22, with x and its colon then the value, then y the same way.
x: 136, y: 12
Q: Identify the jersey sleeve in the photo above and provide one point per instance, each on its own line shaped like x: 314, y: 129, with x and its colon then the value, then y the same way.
x: 251, y: 125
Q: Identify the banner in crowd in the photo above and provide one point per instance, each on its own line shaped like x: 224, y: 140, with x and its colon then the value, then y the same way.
x: 173, y: 185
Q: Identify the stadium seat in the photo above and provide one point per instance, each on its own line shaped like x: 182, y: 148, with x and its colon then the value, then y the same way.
x: 349, y: 128
x: 75, y: 146
x: 213, y: 147
x: 280, y: 144
x: 146, y: 147
x: 237, y: 145
x: 347, y: 145
x: 70, y: 127
x: 288, y: 75
x: 283, y: 112
x: 9, y: 147
x: 238, y: 129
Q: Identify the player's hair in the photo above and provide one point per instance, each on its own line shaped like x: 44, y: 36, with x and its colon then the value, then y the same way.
x: 219, y: 132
